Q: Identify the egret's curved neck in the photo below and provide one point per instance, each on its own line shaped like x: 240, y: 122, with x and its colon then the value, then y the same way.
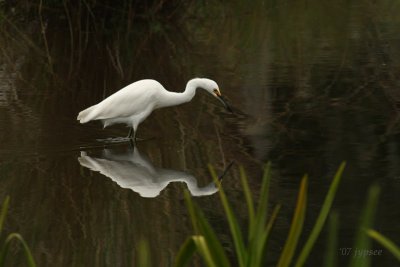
x: 173, y: 98
x: 191, y: 87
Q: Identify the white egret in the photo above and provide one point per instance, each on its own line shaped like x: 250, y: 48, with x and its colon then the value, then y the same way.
x: 134, y: 103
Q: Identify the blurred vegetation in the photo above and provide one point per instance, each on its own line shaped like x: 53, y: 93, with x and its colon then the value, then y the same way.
x: 11, y: 237
x: 84, y: 41
x: 66, y: 43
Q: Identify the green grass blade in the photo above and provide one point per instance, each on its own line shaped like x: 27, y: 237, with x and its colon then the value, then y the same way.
x: 190, y: 208
x: 256, y: 252
x: 296, y: 227
x: 217, y: 252
x: 258, y: 237
x: 331, y: 251
x: 362, y: 240
x: 321, y: 217
x: 186, y: 253
x: 249, y: 200
x: 233, y: 225
x: 261, y: 214
x: 271, y: 221
x: 4, y: 212
x: 384, y: 241
x: 204, y: 250
x: 4, y: 250
x: 260, y: 234
x: 203, y: 228
x: 143, y: 259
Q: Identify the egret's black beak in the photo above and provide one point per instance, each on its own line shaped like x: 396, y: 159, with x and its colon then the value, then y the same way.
x: 225, y: 104
x: 223, y: 100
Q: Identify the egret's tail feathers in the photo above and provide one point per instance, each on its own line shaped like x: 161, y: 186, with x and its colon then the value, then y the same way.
x: 87, y: 114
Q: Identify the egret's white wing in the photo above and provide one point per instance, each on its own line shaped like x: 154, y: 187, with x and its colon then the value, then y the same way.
x: 130, y: 100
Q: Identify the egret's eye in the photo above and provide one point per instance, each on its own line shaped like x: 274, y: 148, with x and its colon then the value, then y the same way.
x: 217, y: 92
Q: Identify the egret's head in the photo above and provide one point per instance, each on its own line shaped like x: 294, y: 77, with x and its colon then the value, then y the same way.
x: 212, y: 87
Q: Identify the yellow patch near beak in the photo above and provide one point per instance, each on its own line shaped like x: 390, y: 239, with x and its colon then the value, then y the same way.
x: 217, y: 92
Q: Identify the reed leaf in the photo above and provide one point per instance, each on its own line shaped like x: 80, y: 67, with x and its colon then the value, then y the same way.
x: 362, y: 240
x: 6, y: 245
x: 204, y: 229
x: 143, y: 259
x: 261, y: 214
x: 384, y: 241
x: 233, y: 225
x: 271, y: 221
x: 331, y: 250
x: 249, y: 200
x: 323, y: 214
x: 190, y: 208
x: 217, y: 252
x: 186, y: 253
x: 257, y: 252
x: 262, y: 208
x: 204, y: 250
x: 296, y: 227
x: 4, y: 212
x: 258, y: 232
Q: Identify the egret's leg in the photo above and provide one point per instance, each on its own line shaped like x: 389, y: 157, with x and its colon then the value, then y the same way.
x: 130, y: 133
x: 134, y: 136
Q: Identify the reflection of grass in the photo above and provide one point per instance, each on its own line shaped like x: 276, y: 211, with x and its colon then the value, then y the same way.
x: 4, y: 250
x: 252, y: 253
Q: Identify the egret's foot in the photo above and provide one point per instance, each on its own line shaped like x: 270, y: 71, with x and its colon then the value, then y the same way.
x: 114, y: 140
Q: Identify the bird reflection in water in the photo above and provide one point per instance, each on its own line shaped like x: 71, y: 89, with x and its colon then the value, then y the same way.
x: 135, y: 171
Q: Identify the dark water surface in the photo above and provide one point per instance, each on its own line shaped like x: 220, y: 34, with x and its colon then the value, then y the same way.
x: 312, y: 85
